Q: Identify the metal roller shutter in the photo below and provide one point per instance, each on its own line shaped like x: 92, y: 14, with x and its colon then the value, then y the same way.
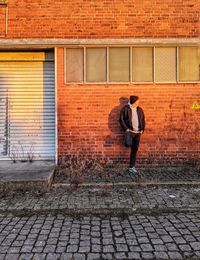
x: 27, y: 106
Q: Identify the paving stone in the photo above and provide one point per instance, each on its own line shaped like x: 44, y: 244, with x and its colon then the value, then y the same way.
x: 108, y: 249
x: 195, y: 245
x: 147, y: 255
x: 84, y: 249
x: 78, y: 256
x: 167, y: 239
x: 146, y: 247
x: 92, y: 256
x: 122, y: 248
x: 134, y: 255
x: 60, y: 249
x: 12, y: 250
x: 72, y: 248
x: 26, y: 249
x: 11, y: 256
x: 66, y: 256
x: 120, y: 256
x: 161, y: 255
x: 52, y: 256
x: 106, y: 256
x: 135, y: 249
x: 185, y: 247
x: 175, y: 255
x: 38, y: 249
x: 160, y: 248
x: 157, y: 241
x: 96, y: 248
x: 179, y: 240
x: 49, y: 249
x: 171, y: 246
x: 143, y: 240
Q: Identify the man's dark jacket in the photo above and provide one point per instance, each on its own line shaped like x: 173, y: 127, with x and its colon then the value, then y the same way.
x: 126, y: 118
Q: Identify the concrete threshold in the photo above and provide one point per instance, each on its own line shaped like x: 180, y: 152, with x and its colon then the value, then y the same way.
x: 37, y: 175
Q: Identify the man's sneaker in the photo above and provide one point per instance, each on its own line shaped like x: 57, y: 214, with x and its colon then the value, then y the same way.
x: 132, y: 170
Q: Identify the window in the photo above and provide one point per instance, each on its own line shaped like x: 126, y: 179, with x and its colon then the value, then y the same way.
x: 142, y: 64
x: 119, y: 65
x: 189, y: 63
x: 165, y: 64
x: 132, y: 64
x: 96, y: 65
x: 74, y: 65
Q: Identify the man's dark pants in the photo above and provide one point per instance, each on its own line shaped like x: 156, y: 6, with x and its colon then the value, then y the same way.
x: 134, y: 149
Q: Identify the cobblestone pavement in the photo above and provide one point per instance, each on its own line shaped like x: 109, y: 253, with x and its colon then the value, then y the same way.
x: 165, y: 236
x: 104, y: 200
x: 120, y: 174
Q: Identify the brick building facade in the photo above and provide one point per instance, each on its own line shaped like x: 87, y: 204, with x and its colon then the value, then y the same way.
x: 87, y: 111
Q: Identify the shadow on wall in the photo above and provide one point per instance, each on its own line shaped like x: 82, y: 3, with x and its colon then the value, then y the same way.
x: 113, y: 124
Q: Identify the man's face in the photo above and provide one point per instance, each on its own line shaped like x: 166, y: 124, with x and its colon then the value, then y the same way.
x: 136, y: 103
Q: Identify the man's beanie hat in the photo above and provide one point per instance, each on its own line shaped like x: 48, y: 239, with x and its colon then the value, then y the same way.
x: 133, y: 99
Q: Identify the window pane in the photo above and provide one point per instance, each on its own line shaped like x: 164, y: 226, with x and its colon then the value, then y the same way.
x: 189, y: 63
x: 142, y: 64
x: 165, y: 64
x: 74, y: 65
x: 96, y: 65
x: 119, y: 65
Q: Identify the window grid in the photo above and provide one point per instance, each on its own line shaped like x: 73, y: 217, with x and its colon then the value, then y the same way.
x: 107, y: 64
x: 131, y: 63
x: 181, y: 67
x: 154, y: 64
x: 130, y: 66
x: 177, y: 64
x: 120, y: 82
x: 84, y: 65
x: 162, y: 64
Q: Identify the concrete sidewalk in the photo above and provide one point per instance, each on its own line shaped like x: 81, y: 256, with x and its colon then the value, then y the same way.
x: 36, y: 175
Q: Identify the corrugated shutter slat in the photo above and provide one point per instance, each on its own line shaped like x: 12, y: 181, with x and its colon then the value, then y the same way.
x: 27, y: 109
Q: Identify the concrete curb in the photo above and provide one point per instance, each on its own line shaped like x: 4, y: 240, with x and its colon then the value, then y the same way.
x: 98, y: 212
x: 125, y: 184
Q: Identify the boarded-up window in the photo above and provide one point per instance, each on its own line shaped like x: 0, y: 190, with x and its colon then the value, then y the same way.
x: 74, y: 65
x: 142, y: 64
x: 119, y: 64
x: 189, y: 63
x: 96, y: 65
x: 165, y: 64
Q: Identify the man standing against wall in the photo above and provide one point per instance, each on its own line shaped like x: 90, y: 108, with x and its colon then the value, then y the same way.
x: 132, y: 120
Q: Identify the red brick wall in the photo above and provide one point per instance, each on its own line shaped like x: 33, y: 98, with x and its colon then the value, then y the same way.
x: 103, y: 18
x: 2, y: 20
x: 88, y: 121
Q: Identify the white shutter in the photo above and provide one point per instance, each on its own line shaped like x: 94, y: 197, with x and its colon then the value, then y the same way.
x: 27, y: 101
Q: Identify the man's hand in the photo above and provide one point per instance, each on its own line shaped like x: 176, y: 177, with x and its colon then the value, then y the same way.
x: 128, y: 130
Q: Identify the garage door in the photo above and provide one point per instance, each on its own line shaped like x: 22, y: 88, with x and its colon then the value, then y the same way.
x: 27, y: 106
